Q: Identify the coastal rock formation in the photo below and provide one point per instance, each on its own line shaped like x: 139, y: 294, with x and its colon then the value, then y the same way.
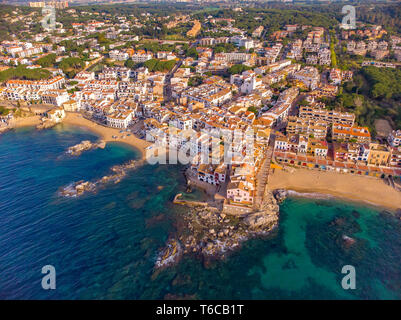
x: 267, y: 217
x: 78, y: 188
x: 348, y: 241
x: 169, y: 255
x: 81, y: 187
x: 280, y: 194
x: 85, y: 146
x: 207, y: 231
x: 46, y: 125
x: 261, y: 219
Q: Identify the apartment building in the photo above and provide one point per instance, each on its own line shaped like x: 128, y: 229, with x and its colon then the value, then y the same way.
x: 212, y: 174
x: 119, y: 119
x: 141, y: 56
x: 55, y: 97
x: 240, y: 41
x: 324, y: 56
x: 273, y: 67
x: 335, y: 76
x: 21, y: 94
x: 241, y: 192
x: 379, y: 154
x: 121, y: 73
x: 309, y: 76
x: 71, y: 106
x: 281, y: 109
x: 165, y: 55
x: 118, y: 55
x: 395, y: 158
x: 317, y: 112
x: 84, y: 76
x: 343, y: 132
x: 209, y: 94
x: 345, y: 152
x: 318, y: 147
x: 233, y: 57
x: 53, y: 83
x: 315, y: 128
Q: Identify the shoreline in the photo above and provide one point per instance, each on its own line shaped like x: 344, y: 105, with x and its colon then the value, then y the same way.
x: 24, y: 122
x: 107, y: 133
x: 76, y: 119
x: 307, y: 183
x: 359, y: 189
x: 312, y: 195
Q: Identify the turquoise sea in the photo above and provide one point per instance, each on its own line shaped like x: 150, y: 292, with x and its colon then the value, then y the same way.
x: 104, y: 245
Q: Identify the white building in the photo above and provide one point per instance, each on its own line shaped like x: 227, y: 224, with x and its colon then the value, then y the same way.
x: 55, y: 97
x: 139, y: 57
x: 118, y: 55
x: 119, y: 119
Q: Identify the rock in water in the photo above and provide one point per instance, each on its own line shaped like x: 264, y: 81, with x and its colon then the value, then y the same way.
x: 348, y: 241
x: 84, y: 146
x: 261, y: 220
x: 280, y: 194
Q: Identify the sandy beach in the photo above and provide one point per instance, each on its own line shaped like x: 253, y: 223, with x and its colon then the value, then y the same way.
x: 107, y: 133
x: 24, y: 122
x: 356, y: 188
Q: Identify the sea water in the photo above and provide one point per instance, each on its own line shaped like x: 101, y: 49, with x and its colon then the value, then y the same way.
x: 104, y: 245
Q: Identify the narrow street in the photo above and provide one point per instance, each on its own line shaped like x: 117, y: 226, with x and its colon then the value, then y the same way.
x: 262, y: 177
x: 167, y: 81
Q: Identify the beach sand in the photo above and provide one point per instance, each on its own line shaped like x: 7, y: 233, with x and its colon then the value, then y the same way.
x: 24, y: 122
x: 347, y: 186
x: 107, y: 133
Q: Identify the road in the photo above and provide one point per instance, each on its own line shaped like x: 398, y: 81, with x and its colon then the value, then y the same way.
x: 263, y: 175
x: 92, y: 63
x: 324, y: 77
x: 167, y: 80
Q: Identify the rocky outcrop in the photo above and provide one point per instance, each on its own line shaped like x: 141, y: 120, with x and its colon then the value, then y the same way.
x: 280, y: 194
x: 85, y: 146
x: 81, y: 187
x: 169, y: 255
x: 78, y: 188
x: 211, y: 233
x: 348, y: 241
x: 261, y: 220
x: 267, y: 217
x: 46, y: 125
